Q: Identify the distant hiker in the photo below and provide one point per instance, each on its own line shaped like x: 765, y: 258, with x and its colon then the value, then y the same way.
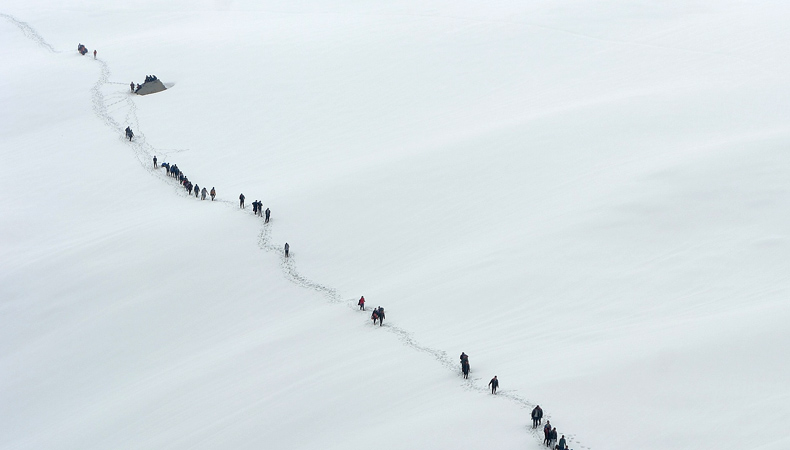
x: 241, y: 201
x: 267, y: 215
x: 154, y: 161
x: 465, y: 368
x: 94, y: 54
x: 464, y: 357
x: 361, y: 303
x: 546, y: 432
x: 197, y: 190
x: 255, y: 207
x: 287, y: 248
x: 129, y: 133
x: 494, y: 383
x: 537, y: 415
x: 375, y: 316
x: 131, y: 86
x: 260, y: 208
x: 562, y: 445
x: 552, y: 436
x: 203, y: 194
x: 380, y: 311
x: 213, y: 193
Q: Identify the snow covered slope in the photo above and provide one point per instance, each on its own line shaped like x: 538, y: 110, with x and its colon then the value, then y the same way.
x: 589, y: 198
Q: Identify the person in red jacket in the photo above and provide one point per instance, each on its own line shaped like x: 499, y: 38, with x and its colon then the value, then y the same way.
x: 361, y: 303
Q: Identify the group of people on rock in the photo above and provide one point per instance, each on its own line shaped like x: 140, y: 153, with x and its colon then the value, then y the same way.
x: 136, y: 87
x: 549, y: 432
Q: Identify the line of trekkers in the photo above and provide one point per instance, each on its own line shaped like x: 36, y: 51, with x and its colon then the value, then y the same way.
x: 175, y: 172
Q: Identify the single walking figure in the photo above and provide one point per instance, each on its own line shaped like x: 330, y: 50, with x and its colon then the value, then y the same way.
x: 546, y: 432
x: 267, y: 215
x: 213, y: 193
x: 537, y: 416
x: 131, y: 86
x: 154, y: 161
x: 203, y: 194
x: 197, y: 190
x: 361, y: 303
x: 380, y: 312
x: 94, y: 54
x: 287, y: 249
x: 255, y: 207
x: 241, y: 201
x: 494, y: 383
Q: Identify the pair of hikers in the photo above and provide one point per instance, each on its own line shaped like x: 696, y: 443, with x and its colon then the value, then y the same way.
x: 378, y: 315
x: 465, y: 365
x: 257, y: 207
x: 129, y: 133
x: 550, y: 437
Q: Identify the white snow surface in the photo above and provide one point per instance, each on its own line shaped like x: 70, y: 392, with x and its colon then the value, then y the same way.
x: 588, y: 198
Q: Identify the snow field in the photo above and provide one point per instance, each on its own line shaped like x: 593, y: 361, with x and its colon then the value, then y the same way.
x: 589, y: 199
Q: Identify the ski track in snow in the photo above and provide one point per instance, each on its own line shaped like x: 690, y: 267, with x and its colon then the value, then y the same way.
x: 144, y: 153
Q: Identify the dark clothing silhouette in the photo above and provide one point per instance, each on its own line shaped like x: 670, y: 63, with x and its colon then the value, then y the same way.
x: 241, y: 201
x: 287, y: 249
x: 537, y: 415
x: 494, y: 383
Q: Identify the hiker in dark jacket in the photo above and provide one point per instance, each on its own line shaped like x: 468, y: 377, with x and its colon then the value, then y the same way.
x: 213, y: 193
x: 267, y: 215
x: 197, y: 190
x: 241, y: 201
x: 381, y: 316
x: 537, y: 415
x: 287, y: 249
x: 552, y: 437
x: 546, y: 432
x: 562, y: 444
x: 494, y: 383
x: 154, y: 161
x: 255, y: 207
x: 465, y: 368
